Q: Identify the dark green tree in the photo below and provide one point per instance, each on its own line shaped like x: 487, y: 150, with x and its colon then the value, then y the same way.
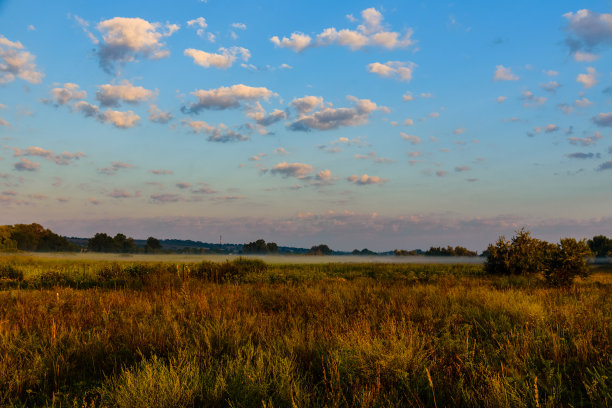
x: 100, y: 242
x: 601, y: 246
x: 153, y: 245
x: 320, y: 250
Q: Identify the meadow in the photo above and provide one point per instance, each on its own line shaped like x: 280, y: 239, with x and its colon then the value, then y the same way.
x: 79, y: 332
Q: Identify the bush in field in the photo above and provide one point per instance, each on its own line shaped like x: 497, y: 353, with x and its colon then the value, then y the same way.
x: 522, y: 255
x: 560, y: 264
x: 565, y: 261
x: 8, y: 271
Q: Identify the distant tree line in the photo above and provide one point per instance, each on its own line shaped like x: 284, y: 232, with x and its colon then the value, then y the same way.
x: 260, y: 247
x: 32, y: 237
x: 364, y: 251
x: 437, y: 251
x: 102, y: 242
x: 601, y: 246
x: 320, y: 250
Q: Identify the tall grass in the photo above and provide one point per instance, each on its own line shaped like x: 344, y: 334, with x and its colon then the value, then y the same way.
x: 250, y: 334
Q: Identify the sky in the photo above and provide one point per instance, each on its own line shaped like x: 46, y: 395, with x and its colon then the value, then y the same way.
x: 356, y: 124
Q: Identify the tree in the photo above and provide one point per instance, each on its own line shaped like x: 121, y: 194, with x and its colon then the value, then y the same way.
x: 153, y: 245
x: 320, y: 250
x: 522, y: 255
x: 566, y: 261
x: 559, y: 263
x: 601, y: 246
x: 259, y: 247
x: 101, y: 242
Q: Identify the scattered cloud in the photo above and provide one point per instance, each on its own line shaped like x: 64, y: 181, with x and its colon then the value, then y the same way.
x: 589, y: 79
x: 156, y: 115
x: 164, y: 198
x: 408, y: 122
x: 111, y: 95
x: 4, y: 122
x: 69, y: 92
x: 258, y: 114
x: 199, y: 24
x: 226, y: 97
x: 583, y: 156
x: 583, y: 103
x: 307, y: 104
x: 551, y: 86
x: 87, y: 109
x: 223, y: 60
x: 408, y: 97
x: 64, y: 158
x: 126, y: 39
x: 371, y: 33
x: 393, y: 69
x: 26, y: 165
x: 365, y: 180
x: 529, y: 99
x: 587, y: 31
x: 461, y: 169
x: 331, y: 118
x: 585, y: 141
x: 161, y: 172
x: 120, y: 193
x: 441, y: 173
x: 605, y: 166
x: 374, y: 157
x: 16, y: 62
x: 121, y: 120
x: 411, y: 138
x: 603, y: 119
x: 221, y: 133
x: 298, y: 170
x: 504, y: 74
x: 551, y: 72
x: 114, y: 168
x: 580, y: 56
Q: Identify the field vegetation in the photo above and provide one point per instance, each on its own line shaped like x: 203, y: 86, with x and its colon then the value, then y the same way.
x: 76, y: 332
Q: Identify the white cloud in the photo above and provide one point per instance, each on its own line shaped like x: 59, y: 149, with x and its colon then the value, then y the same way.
x: 374, y: 157
x: 411, y: 138
x: 86, y: 108
x: 226, y: 97
x: 111, y: 95
x: 200, y: 25
x: 585, y: 141
x: 370, y: 33
x: 504, y: 74
x: 70, y: 92
x: 114, y: 168
x: 239, y: 26
x: 122, y: 120
x: 589, y: 79
x: 408, y: 97
x: 331, y: 118
x: 161, y: 172
x: 408, y: 122
x: 125, y: 39
x: 551, y: 72
x: 258, y: 114
x: 603, y: 119
x: 581, y: 56
x: 531, y: 100
x: 64, y: 158
x: 3, y: 122
x: 307, y: 103
x: 501, y: 99
x: 156, y: 115
x: 583, y: 103
x: 16, y: 62
x: 26, y: 165
x: 588, y: 30
x: 298, y: 42
x: 223, y: 60
x: 298, y: 170
x: 393, y: 69
x: 364, y: 180
x: 220, y: 134
x: 551, y: 86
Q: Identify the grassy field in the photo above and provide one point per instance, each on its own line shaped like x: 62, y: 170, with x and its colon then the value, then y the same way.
x: 130, y: 333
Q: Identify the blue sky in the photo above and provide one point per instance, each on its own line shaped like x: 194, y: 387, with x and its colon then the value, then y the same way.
x: 357, y: 124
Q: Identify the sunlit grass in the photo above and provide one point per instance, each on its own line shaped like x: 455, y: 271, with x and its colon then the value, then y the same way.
x: 105, y: 333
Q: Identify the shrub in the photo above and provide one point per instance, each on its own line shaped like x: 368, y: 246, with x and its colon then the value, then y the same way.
x: 8, y: 271
x: 560, y: 264
x: 566, y: 261
x: 522, y: 255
